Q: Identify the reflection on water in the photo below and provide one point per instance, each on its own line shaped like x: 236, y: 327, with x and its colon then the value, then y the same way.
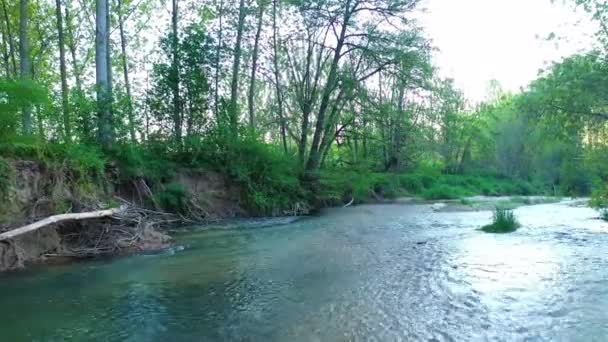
x: 386, y: 272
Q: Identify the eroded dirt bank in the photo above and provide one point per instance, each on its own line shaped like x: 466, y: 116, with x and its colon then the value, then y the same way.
x: 33, y: 192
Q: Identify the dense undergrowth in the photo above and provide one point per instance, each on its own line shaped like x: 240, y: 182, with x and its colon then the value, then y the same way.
x: 269, y: 180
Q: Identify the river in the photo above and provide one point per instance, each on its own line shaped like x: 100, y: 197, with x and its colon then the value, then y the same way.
x: 366, y: 273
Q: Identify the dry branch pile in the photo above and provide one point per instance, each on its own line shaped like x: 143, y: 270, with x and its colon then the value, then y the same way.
x: 86, y: 234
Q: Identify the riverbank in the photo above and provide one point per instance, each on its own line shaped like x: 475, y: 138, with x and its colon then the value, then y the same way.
x: 165, y: 188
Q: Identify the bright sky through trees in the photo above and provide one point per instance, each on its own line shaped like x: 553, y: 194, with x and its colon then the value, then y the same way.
x: 481, y: 40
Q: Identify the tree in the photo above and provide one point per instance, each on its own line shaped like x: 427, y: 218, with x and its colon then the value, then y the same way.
x: 9, y: 39
x: 196, y: 60
x: 233, y: 108
x: 277, y: 74
x: 362, y: 41
x: 64, y: 78
x: 254, y: 64
x: 218, y: 61
x: 102, y: 73
x: 125, y: 71
x: 177, y: 115
x: 24, y: 62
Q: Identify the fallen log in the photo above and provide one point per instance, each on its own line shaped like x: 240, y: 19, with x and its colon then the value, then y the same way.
x: 60, y: 218
x: 349, y: 203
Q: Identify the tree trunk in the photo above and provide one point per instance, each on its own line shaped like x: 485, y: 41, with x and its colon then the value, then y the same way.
x: 125, y: 70
x: 277, y: 74
x: 177, y: 117
x: 5, y: 56
x: 236, y: 66
x: 9, y: 37
x: 24, y: 65
x: 102, y: 74
x: 313, y: 159
x: 82, y: 115
x: 64, y: 78
x: 254, y: 65
x: 218, y: 64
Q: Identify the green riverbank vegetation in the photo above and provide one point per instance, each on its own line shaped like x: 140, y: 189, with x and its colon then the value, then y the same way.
x: 297, y: 104
x: 503, y: 221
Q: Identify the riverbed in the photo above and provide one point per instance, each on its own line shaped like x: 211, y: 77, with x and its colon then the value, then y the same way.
x: 385, y: 272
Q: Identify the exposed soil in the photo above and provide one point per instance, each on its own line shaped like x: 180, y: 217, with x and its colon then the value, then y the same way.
x: 36, y: 193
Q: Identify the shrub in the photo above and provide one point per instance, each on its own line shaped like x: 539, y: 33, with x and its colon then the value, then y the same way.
x: 413, y: 183
x: 173, y: 198
x: 444, y: 191
x: 604, y: 214
x: 599, y: 198
x: 6, y: 176
x: 503, y: 221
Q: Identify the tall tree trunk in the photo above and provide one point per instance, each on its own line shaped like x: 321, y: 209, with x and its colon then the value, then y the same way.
x: 5, y: 56
x: 218, y: 64
x: 38, y: 110
x: 254, y: 64
x: 277, y: 73
x: 109, y: 62
x: 9, y: 37
x: 71, y: 43
x: 125, y: 70
x: 102, y: 74
x: 313, y: 159
x: 177, y: 116
x: 64, y: 77
x: 236, y: 66
x: 24, y: 65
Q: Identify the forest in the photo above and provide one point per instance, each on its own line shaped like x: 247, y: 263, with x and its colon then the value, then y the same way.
x: 301, y: 104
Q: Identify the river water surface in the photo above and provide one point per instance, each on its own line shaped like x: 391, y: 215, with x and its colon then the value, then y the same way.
x: 367, y: 273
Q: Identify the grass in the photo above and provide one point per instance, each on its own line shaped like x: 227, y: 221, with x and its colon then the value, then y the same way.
x: 434, y: 185
x: 604, y: 214
x: 504, y: 221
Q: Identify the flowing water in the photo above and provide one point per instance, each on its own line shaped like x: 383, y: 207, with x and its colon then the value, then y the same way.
x: 367, y: 273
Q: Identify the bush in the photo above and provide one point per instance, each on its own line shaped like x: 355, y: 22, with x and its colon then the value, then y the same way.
x: 269, y: 178
x: 413, y: 183
x: 604, y: 214
x: 173, y: 198
x: 599, y: 198
x: 503, y: 221
x: 444, y: 191
x: 6, y: 176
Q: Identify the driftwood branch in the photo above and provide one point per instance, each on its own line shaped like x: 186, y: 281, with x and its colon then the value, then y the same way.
x: 349, y: 203
x: 60, y: 218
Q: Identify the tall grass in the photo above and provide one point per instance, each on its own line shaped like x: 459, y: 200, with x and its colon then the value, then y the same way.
x: 503, y: 221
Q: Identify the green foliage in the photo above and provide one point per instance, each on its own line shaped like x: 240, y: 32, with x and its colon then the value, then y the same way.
x: 269, y: 178
x: 195, y: 53
x: 599, y: 198
x: 15, y: 95
x: 6, y: 176
x: 151, y: 161
x: 433, y: 185
x: 82, y: 161
x: 503, y: 221
x: 445, y: 191
x: 173, y: 198
x: 604, y: 214
x: 339, y: 186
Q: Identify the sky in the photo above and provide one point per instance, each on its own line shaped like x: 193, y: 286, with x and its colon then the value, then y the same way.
x: 503, y: 40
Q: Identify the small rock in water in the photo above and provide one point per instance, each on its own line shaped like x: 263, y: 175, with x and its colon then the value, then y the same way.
x: 438, y: 206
